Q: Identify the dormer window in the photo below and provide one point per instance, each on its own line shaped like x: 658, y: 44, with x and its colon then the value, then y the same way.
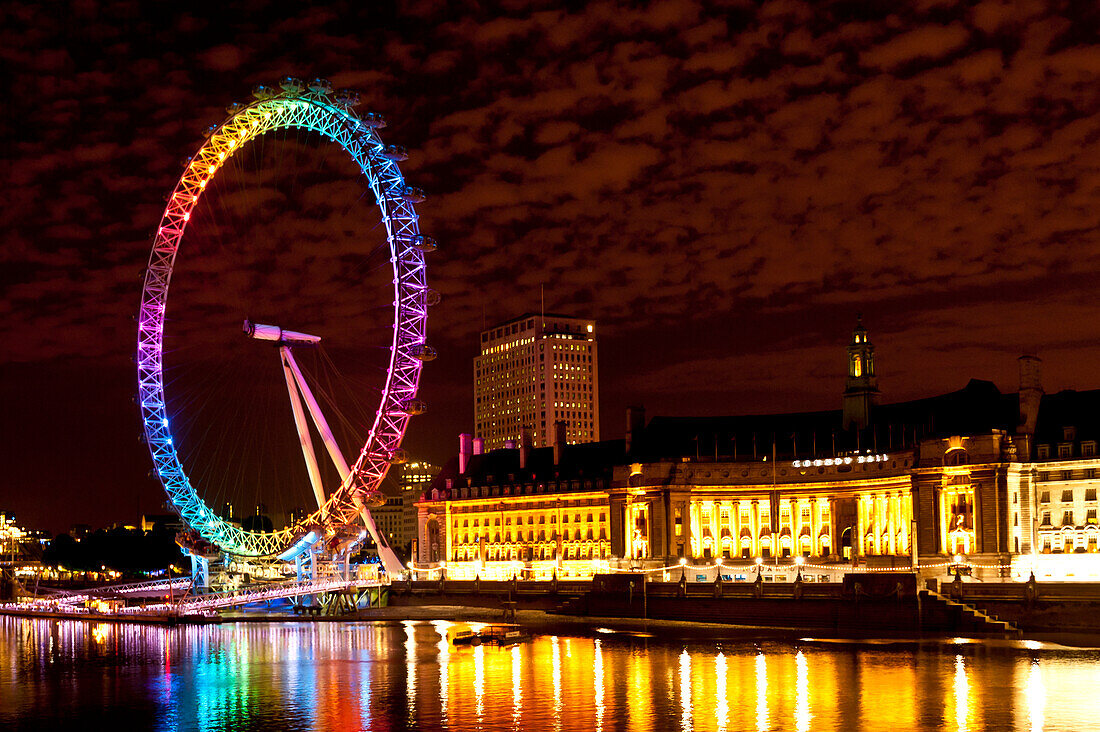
x: 1044, y: 452
x: 1069, y: 434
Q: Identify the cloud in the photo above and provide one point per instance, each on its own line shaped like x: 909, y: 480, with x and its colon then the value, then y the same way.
x: 703, y: 182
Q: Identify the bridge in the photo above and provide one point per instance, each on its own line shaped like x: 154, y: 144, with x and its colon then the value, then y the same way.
x: 187, y: 606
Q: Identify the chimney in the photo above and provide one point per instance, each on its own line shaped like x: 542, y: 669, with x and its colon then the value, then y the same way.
x: 559, y: 440
x: 635, y: 425
x: 465, y: 449
x: 524, y: 447
x: 479, y: 445
x: 1031, y: 394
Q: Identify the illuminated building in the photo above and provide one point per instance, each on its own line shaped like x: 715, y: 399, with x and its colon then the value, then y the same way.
x: 527, y: 510
x: 533, y: 371
x: 396, y: 518
x: 11, y: 536
x: 390, y: 516
x: 18, y: 543
x: 414, y: 478
x: 1007, y: 481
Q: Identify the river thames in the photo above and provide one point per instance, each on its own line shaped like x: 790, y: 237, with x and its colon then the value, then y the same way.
x: 407, y: 676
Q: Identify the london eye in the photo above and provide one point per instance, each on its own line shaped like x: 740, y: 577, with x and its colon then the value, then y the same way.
x: 343, y: 509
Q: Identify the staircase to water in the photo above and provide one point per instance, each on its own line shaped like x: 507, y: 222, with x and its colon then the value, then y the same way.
x: 937, y: 610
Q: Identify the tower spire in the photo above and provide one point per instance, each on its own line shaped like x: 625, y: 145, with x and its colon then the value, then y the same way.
x: 861, y: 387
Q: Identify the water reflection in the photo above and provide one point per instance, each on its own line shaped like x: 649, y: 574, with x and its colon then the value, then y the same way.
x: 962, y: 696
x: 597, y: 682
x: 1036, y: 697
x: 410, y: 669
x: 404, y: 676
x: 685, y: 691
x: 761, y: 693
x: 802, y: 715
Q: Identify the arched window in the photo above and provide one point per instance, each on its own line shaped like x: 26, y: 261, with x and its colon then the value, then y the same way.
x: 955, y: 457
x: 857, y: 365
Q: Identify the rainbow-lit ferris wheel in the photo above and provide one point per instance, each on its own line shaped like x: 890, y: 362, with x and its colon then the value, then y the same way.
x: 343, y: 511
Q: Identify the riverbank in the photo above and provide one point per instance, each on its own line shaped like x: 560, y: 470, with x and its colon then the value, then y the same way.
x: 543, y: 622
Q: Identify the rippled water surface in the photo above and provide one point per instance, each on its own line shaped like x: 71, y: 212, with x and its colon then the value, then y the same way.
x: 396, y: 676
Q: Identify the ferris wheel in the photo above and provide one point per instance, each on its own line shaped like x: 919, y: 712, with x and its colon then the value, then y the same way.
x: 312, y: 107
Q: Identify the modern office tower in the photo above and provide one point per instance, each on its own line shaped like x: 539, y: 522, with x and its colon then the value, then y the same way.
x: 533, y: 371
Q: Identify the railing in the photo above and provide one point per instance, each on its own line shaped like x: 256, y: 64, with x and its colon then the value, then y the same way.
x: 247, y: 596
x: 153, y: 587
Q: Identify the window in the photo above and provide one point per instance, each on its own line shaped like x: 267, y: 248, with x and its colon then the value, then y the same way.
x: 1090, y: 516
x: 1067, y: 496
x: 1090, y: 473
x: 955, y: 457
x: 1067, y: 475
x: 1044, y: 497
x: 1088, y: 449
x: 1069, y: 434
x: 1067, y: 518
x: 1044, y: 452
x: 1065, y: 450
x: 1044, y: 475
x: 1046, y: 519
x: 1090, y: 494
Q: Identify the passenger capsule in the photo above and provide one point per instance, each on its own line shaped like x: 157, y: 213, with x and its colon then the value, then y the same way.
x: 412, y: 194
x: 423, y: 352
x: 373, y: 499
x: 290, y: 84
x: 320, y: 86
x: 373, y: 120
x: 432, y: 297
x: 235, y: 107
x: 396, y: 153
x: 346, y: 98
x: 262, y: 92
x: 209, y: 130
x: 412, y: 407
x: 425, y: 244
x: 398, y: 457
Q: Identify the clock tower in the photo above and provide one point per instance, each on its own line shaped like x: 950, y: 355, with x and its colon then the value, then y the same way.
x: 861, y: 388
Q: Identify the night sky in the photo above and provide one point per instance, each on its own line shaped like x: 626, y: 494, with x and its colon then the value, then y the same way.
x: 723, y: 190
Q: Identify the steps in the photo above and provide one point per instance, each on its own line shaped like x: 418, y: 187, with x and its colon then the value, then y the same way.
x: 966, y: 618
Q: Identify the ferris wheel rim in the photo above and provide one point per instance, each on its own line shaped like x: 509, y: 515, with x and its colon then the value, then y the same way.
x: 334, y: 119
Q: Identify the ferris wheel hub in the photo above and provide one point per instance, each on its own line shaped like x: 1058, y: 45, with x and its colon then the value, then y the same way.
x: 261, y: 332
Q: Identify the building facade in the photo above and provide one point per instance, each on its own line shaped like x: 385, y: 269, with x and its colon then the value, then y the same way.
x: 533, y: 371
x: 856, y: 506
x: 396, y: 518
x: 1004, y: 482
x: 535, y: 512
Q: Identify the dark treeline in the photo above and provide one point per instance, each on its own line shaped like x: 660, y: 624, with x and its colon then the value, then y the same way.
x: 119, y: 549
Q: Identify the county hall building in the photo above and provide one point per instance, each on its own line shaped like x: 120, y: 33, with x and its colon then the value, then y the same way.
x: 1007, y: 481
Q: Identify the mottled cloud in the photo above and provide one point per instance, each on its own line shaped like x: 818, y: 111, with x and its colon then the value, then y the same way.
x: 721, y: 187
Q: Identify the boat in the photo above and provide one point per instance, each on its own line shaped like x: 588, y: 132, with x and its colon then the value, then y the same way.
x: 504, y: 635
x: 466, y: 638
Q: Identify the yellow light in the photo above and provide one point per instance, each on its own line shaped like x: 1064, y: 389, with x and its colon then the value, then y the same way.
x: 211, y: 169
